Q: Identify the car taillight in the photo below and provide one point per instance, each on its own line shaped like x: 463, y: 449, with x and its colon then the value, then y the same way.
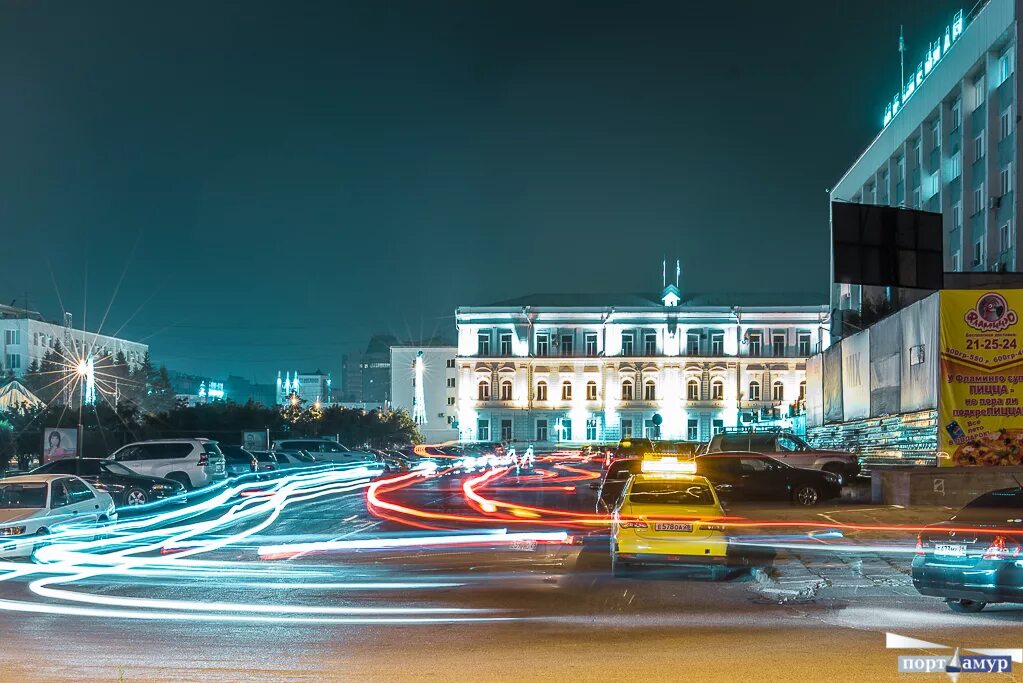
x: 253, y: 466
x: 204, y: 459
x: 1002, y: 548
x: 633, y: 524
x: 920, y: 544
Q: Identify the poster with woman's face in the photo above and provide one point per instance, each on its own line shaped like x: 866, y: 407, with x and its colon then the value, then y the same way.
x: 59, y: 443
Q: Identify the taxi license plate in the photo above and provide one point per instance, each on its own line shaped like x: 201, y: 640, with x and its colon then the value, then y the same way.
x: 950, y: 550
x: 672, y: 526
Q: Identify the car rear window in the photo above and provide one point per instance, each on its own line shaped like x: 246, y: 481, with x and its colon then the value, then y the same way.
x: 670, y: 493
x: 993, y: 506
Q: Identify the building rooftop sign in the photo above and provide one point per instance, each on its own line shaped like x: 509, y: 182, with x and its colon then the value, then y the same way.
x: 935, y: 51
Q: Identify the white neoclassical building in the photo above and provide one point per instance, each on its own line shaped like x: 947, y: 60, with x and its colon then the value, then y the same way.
x: 584, y: 368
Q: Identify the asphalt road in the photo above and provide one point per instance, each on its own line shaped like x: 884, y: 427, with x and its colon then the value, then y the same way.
x: 543, y: 614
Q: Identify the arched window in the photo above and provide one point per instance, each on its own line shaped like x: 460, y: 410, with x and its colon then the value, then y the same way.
x: 802, y: 390
x: 777, y: 391
x: 566, y: 391
x: 541, y: 391
x: 627, y: 390
x: 693, y: 389
x: 591, y: 391
x: 506, y: 390
x: 717, y: 390
x: 649, y: 390
x: 754, y: 390
x: 484, y: 391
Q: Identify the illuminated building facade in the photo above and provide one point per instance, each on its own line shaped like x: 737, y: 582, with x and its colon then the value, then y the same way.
x: 310, y: 388
x: 424, y: 383
x: 949, y: 145
x: 581, y: 368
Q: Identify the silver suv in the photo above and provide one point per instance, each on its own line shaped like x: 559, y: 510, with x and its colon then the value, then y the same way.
x: 324, y: 450
x: 193, y: 463
x: 788, y: 448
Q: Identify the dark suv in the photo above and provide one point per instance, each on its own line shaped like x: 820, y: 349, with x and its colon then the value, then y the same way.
x: 788, y: 448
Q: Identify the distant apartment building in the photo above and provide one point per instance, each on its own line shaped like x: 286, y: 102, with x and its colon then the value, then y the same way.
x: 27, y: 337
x: 591, y: 368
x: 949, y: 144
x: 424, y: 383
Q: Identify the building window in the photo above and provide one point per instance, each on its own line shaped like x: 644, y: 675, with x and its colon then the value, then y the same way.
x: 650, y: 344
x: 693, y: 344
x: 1005, y: 236
x: 957, y: 215
x: 12, y: 337
x: 567, y: 345
x: 541, y: 430
x: 451, y: 400
x: 957, y: 114
x: 802, y: 390
x: 506, y: 344
x: 778, y: 345
x: 13, y: 361
x: 978, y: 252
x: 628, y: 344
x: 717, y: 390
x: 483, y: 344
x: 1005, y: 177
x: 483, y: 391
x: 627, y: 390
x: 916, y: 198
x: 936, y: 134
x: 451, y: 382
x: 541, y: 391
x: 1005, y: 123
x: 566, y: 391
x: 591, y: 391
x: 649, y: 390
x: 755, y: 343
x: 450, y: 362
x: 777, y: 391
x: 543, y: 344
x: 591, y: 429
x: 935, y: 183
x: 978, y: 199
x: 590, y: 343
x: 693, y: 390
x: 956, y: 162
x: 506, y: 390
x: 717, y: 426
x: 566, y: 429
x: 626, y: 428
x: 506, y: 430
x: 754, y: 391
x: 717, y: 344
x: 957, y: 261
x: 803, y: 343
x: 1005, y: 65
x: 979, y: 91
x: 693, y: 430
x: 482, y: 430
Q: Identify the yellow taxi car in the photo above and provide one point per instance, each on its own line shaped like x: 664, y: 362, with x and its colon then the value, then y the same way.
x: 668, y: 517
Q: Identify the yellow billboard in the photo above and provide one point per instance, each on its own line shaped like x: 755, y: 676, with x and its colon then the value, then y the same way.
x: 981, y: 378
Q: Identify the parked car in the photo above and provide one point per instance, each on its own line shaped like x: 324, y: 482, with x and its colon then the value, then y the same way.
x: 629, y: 447
x: 266, y: 461
x: 754, y: 476
x: 787, y: 447
x: 325, y: 450
x: 288, y: 460
x: 33, y: 505
x: 975, y: 557
x: 193, y: 463
x: 237, y: 460
x: 125, y: 486
x: 613, y: 483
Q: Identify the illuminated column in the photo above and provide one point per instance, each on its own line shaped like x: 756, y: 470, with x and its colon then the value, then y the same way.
x: 89, y: 388
x: 419, y: 397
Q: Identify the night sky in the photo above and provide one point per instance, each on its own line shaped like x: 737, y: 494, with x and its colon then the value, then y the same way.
x: 276, y: 181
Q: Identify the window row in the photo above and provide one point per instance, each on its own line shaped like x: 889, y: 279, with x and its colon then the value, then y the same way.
x: 628, y: 390
x: 548, y: 344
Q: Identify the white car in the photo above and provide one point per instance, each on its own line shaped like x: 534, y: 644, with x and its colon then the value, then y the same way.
x: 193, y: 463
x: 35, y: 505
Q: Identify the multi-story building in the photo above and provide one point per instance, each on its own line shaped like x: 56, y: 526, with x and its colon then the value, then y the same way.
x: 595, y: 368
x: 949, y: 145
x: 26, y: 337
x: 311, y: 388
x: 424, y: 382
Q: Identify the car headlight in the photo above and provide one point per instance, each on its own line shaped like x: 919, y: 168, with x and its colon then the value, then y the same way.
x: 832, y: 477
x: 12, y: 530
x: 162, y: 487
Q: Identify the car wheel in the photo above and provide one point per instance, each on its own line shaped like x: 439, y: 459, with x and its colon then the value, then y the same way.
x: 619, y: 570
x: 135, y: 497
x: 42, y: 532
x: 806, y: 496
x: 965, y: 606
x: 181, y: 479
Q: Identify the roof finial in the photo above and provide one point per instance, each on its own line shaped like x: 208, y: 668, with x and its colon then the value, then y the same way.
x: 664, y: 273
x: 678, y: 272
